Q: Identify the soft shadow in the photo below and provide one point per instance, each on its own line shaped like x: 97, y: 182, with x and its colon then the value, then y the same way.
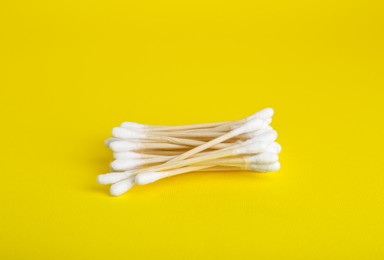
x: 97, y: 158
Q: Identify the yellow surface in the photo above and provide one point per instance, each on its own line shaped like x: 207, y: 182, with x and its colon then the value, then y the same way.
x: 71, y: 70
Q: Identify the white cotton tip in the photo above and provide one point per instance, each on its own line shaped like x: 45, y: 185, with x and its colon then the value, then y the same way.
x: 132, y: 125
x: 276, y: 147
x: 112, y: 177
x: 268, y: 136
x: 123, y: 133
x: 121, y: 187
x: 127, y: 155
x: 257, y: 132
x: 125, y: 165
x: 251, y: 148
x: 271, y: 149
x: 124, y: 146
x: 250, y: 126
x: 110, y: 140
x: 268, y: 120
x: 264, y: 114
x: 262, y: 158
x: 265, y: 167
x: 148, y: 177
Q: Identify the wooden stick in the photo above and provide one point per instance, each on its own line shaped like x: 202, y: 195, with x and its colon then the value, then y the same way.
x: 175, y: 128
x: 152, y: 176
x: 169, y: 153
x: 186, y: 170
x: 266, y: 113
x: 181, y: 141
x: 124, y: 146
x: 187, y: 134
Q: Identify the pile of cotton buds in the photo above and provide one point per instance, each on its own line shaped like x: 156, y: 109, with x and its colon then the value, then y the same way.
x: 146, y: 153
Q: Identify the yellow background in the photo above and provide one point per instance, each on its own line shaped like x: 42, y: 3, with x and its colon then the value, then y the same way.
x: 72, y: 70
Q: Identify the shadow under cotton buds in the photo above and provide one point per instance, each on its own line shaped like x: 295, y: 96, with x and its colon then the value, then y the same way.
x: 147, y: 153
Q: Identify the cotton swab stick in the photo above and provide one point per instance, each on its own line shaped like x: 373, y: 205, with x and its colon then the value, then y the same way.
x: 121, y: 179
x: 135, y: 155
x: 266, y: 113
x: 149, y: 152
x: 186, y: 141
x: 137, y: 126
x: 126, y: 165
x: 149, y: 177
x: 129, y: 133
x: 120, y: 187
x: 122, y: 133
x: 125, y: 146
x: 250, y: 126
